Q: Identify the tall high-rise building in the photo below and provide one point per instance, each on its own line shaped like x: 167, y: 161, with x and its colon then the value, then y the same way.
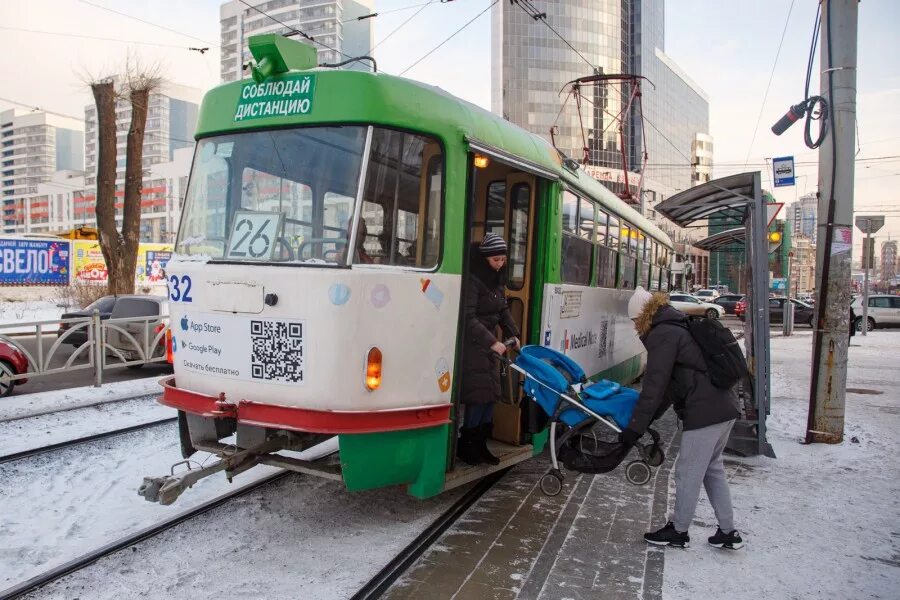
x: 33, y: 146
x: 171, y: 122
x: 333, y: 23
x: 802, y: 216
x: 888, y: 262
x: 531, y: 64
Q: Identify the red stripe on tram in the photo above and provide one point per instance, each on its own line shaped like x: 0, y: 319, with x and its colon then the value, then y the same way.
x: 302, y: 419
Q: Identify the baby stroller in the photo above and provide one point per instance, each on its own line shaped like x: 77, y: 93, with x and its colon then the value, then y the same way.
x: 558, y: 385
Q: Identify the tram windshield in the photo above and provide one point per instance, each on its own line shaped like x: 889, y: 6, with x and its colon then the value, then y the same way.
x: 274, y: 196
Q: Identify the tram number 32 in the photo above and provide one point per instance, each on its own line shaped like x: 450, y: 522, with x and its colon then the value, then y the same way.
x: 180, y: 289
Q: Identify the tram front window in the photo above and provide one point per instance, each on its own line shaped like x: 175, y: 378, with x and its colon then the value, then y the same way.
x: 274, y: 196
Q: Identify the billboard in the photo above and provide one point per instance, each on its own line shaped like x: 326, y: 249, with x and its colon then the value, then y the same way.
x: 34, y: 262
x: 88, y: 263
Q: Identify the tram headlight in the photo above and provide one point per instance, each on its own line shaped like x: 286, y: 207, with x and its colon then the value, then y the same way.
x: 373, y: 369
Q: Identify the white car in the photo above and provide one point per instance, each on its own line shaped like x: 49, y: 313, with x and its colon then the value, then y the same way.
x: 707, y: 295
x: 690, y: 305
x: 883, y: 311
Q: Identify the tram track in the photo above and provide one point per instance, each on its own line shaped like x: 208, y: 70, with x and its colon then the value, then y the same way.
x: 386, y: 577
x: 83, y: 440
x: 35, y: 583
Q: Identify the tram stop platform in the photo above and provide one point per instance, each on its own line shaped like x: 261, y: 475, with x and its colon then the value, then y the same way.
x: 584, y: 543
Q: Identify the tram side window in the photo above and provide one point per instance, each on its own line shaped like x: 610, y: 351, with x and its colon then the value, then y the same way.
x: 401, y: 211
x: 520, y: 200
x: 627, y: 261
x: 642, y: 274
x: 606, y: 256
x: 575, y: 262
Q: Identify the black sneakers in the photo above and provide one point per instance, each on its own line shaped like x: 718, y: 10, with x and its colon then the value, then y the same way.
x: 730, y: 541
x: 667, y: 536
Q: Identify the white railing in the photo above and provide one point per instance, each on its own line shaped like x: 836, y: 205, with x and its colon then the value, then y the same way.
x: 111, y: 344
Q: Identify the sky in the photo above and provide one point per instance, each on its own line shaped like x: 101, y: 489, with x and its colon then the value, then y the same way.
x: 728, y: 47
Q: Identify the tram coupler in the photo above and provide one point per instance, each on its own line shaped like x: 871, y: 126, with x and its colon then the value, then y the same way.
x: 168, y: 488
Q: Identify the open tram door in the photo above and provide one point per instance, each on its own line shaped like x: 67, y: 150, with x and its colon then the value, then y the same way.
x: 503, y: 200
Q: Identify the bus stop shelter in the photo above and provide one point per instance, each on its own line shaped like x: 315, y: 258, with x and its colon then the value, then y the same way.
x: 736, y: 201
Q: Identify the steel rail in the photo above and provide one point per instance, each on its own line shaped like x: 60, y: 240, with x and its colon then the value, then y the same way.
x: 76, y: 564
x: 51, y: 411
x: 386, y: 577
x: 83, y: 440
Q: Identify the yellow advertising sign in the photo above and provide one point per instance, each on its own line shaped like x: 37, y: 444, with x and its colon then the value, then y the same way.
x: 88, y: 263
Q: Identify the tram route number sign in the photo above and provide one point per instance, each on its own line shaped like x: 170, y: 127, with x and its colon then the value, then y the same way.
x: 286, y: 96
x: 253, y: 235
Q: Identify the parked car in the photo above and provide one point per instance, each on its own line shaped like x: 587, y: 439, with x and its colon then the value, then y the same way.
x: 78, y: 337
x: 728, y: 302
x: 803, y: 312
x: 707, y: 295
x: 690, y: 305
x: 12, y: 362
x: 883, y: 311
x: 740, y: 308
x: 134, y: 307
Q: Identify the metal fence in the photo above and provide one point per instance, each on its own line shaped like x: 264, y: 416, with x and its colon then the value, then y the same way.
x: 110, y: 344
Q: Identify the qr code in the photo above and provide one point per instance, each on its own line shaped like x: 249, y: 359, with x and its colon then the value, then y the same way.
x: 277, y: 348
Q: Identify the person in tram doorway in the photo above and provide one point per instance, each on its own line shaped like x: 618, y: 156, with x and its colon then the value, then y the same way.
x: 485, y: 309
x: 676, y: 374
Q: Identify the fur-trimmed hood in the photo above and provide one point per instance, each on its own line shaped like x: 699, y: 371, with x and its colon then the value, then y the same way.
x: 644, y: 321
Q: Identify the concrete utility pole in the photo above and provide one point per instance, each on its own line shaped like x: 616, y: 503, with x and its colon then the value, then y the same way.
x: 836, y: 172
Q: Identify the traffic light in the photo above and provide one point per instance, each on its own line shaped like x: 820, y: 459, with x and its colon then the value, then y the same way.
x: 774, y: 241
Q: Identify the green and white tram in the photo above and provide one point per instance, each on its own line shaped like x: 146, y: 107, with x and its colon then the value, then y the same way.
x: 315, y: 291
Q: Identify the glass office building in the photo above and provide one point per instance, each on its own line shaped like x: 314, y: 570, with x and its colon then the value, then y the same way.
x: 531, y: 65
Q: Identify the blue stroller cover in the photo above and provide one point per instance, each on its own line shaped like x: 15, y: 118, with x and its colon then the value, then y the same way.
x: 557, y: 372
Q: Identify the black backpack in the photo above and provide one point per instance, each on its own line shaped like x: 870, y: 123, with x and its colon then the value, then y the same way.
x: 725, y: 363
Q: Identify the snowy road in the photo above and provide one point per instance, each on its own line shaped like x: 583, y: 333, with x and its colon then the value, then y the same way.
x: 52, y: 428
x: 300, y: 533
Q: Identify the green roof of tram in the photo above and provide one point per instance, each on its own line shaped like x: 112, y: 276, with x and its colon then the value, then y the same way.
x: 345, y: 97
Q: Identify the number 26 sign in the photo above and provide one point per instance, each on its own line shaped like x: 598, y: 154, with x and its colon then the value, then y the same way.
x: 253, y: 235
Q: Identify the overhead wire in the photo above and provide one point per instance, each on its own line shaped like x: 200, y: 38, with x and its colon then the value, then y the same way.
x: 399, y: 27
x: 92, y: 37
x: 448, y: 38
x: 157, y: 25
x: 762, y: 106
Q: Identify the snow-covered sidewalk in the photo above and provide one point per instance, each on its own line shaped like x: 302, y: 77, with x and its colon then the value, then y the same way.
x: 30, y: 405
x: 820, y: 520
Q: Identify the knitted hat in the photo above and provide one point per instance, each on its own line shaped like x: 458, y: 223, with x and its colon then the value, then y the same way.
x: 492, y: 245
x: 638, y: 301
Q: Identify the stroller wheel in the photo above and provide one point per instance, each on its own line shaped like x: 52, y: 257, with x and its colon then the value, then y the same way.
x: 637, y: 472
x: 654, y: 455
x: 551, y: 483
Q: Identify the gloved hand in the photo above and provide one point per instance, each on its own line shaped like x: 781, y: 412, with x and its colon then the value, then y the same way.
x: 629, y: 436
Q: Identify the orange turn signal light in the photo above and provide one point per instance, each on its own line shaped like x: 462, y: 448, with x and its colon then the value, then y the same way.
x: 373, y: 369
x: 170, y: 355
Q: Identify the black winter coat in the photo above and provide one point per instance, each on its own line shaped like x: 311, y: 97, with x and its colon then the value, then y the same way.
x: 676, y: 374
x: 486, y: 308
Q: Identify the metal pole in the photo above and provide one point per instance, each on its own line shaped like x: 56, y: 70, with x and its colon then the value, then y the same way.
x: 836, y: 172
x: 867, y: 262
x: 97, y: 329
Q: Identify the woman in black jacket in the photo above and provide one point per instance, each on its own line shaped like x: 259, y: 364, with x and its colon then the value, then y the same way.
x: 676, y: 374
x: 486, y: 308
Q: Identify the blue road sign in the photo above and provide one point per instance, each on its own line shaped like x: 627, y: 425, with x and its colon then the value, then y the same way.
x: 783, y: 168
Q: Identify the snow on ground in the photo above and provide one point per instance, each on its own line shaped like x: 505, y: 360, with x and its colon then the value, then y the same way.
x: 33, y: 432
x: 29, y: 405
x: 28, y: 312
x: 58, y: 506
x: 820, y: 520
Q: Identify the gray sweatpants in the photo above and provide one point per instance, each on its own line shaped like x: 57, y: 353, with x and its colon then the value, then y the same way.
x: 700, y: 462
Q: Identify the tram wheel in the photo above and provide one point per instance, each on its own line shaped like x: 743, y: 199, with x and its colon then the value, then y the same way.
x: 637, y: 472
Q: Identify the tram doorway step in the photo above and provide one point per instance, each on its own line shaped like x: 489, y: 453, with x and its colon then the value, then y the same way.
x: 508, y: 454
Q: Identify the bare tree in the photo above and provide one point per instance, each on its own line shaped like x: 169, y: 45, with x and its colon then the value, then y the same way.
x: 120, y: 247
